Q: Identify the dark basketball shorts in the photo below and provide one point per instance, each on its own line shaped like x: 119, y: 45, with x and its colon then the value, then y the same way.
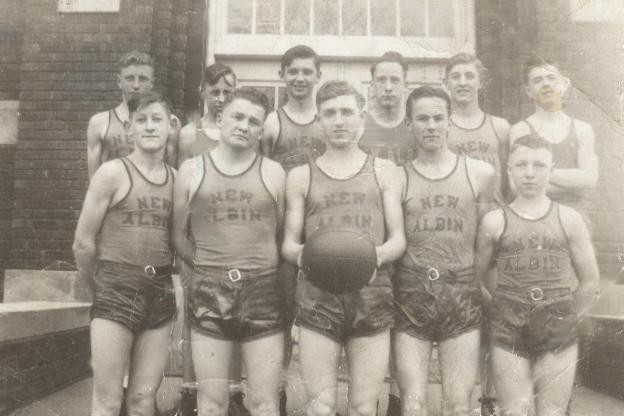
x: 436, y: 305
x: 126, y: 294
x: 530, y: 328
x: 288, y: 281
x: 365, y: 312
x: 219, y: 306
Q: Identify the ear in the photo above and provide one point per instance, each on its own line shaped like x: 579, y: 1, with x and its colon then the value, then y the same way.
x: 281, y: 74
x: 565, y: 81
x: 118, y: 76
x: 528, y: 91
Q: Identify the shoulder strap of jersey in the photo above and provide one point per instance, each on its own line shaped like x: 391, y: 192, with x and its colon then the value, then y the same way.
x: 197, y: 171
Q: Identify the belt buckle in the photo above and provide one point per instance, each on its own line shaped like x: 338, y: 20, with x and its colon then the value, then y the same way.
x: 234, y: 275
x: 432, y: 273
x: 537, y: 294
x: 150, y: 270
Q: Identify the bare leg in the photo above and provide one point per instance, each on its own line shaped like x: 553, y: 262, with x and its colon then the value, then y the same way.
x: 110, y: 349
x: 319, y: 357
x: 553, y: 375
x: 368, y: 363
x: 264, y: 361
x: 211, y: 360
x: 512, y: 377
x: 413, y: 356
x: 149, y: 357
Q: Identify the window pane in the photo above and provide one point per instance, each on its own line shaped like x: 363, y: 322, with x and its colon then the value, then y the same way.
x: 354, y: 17
x: 326, y: 17
x: 239, y: 16
x: 413, y: 18
x: 268, y: 16
x: 297, y: 17
x: 383, y: 17
x: 441, y: 18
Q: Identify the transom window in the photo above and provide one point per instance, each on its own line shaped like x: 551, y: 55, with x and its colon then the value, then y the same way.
x: 420, y: 18
x: 341, y: 28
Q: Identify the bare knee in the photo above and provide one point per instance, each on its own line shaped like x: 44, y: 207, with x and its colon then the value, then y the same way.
x: 262, y: 406
x: 363, y: 409
x: 107, y: 401
x: 322, y: 406
x: 413, y: 406
x: 210, y: 407
x: 457, y: 405
x: 141, y: 403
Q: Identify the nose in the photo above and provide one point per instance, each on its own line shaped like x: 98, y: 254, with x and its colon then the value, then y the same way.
x: 388, y: 85
x: 299, y: 76
x: 136, y: 84
x: 431, y: 125
x: 221, y: 97
x: 339, y: 119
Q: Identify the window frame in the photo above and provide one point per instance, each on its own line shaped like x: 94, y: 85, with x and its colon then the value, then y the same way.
x: 221, y: 43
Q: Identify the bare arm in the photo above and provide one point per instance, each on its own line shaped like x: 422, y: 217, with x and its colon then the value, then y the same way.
x: 489, y: 232
x: 586, y: 175
x: 297, y: 184
x: 172, y: 141
x: 583, y: 258
x: 275, y: 179
x: 95, y: 131
x: 101, y: 190
x: 483, y: 180
x: 270, y: 134
x: 502, y: 128
x: 391, y: 181
x: 184, y: 246
x: 185, y: 143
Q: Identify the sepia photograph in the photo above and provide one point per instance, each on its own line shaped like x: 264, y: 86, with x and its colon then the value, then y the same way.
x: 311, y: 207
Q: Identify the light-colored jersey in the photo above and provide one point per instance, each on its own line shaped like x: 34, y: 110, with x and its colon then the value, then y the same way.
x: 396, y: 143
x: 296, y: 144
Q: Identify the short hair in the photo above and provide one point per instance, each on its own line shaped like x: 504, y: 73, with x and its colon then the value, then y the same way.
x: 135, y: 58
x: 213, y: 73
x: 390, y: 56
x: 333, y: 89
x: 300, y: 52
x: 532, y: 141
x: 426, y: 91
x: 252, y: 95
x: 536, y: 62
x: 145, y: 99
x: 464, y: 58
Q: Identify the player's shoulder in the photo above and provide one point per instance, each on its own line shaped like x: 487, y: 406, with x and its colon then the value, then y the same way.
x: 479, y: 167
x: 583, y: 129
x: 570, y: 217
x: 501, y: 126
x: 187, y: 133
x: 299, y: 176
x: 384, y: 164
x: 269, y: 166
x: 493, y: 221
x: 109, y: 173
x: 99, y: 119
x: 191, y: 166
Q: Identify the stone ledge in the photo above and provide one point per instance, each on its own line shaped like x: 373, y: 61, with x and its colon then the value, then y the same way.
x: 27, y: 319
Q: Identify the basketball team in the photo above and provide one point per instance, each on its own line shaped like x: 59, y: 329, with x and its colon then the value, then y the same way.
x: 479, y: 246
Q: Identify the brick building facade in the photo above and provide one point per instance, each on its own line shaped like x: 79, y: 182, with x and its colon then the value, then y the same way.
x: 61, y: 67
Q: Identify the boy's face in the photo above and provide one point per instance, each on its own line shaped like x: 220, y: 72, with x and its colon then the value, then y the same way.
x: 149, y: 127
x: 216, y: 94
x: 463, y: 82
x: 546, y: 86
x: 241, y: 124
x: 530, y: 170
x: 342, y: 121
x: 429, y: 123
x: 134, y: 80
x: 300, y: 77
x: 388, y: 84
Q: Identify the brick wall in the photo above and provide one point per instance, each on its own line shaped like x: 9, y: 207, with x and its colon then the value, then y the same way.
x: 68, y: 68
x: 34, y: 367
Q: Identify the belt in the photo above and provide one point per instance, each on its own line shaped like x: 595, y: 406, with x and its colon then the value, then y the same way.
x: 534, y: 294
x: 149, y: 270
x: 235, y: 274
x: 433, y: 273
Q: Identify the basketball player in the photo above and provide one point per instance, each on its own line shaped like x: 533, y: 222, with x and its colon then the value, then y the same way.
x: 436, y: 292
x: 536, y: 243
x: 107, y: 132
x: 344, y: 187
x: 480, y: 136
x: 574, y: 158
x: 291, y: 137
x: 385, y: 132
x: 195, y: 138
x: 291, y: 134
x: 386, y: 136
x: 129, y: 204
x: 232, y: 199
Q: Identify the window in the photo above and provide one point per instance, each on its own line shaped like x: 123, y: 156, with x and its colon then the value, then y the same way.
x: 343, y: 28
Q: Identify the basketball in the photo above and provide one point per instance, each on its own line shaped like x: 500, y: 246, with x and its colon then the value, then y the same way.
x: 339, y: 260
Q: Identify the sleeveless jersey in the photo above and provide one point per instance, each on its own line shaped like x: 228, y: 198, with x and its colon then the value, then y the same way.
x: 565, y: 156
x: 479, y: 143
x: 353, y: 202
x: 396, y: 143
x: 117, y: 140
x: 440, y: 219
x: 297, y: 144
x: 203, y: 142
x: 234, y: 219
x: 136, y: 229
x: 533, y: 253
